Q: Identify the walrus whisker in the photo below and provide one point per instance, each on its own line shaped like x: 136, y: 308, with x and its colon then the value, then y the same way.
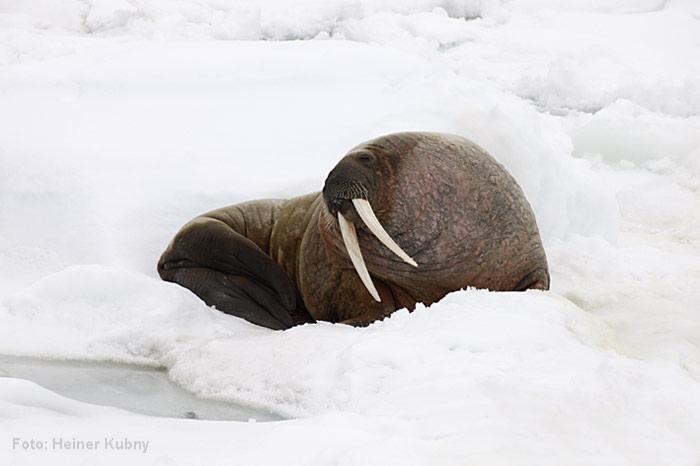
x: 364, y: 210
x: 347, y: 229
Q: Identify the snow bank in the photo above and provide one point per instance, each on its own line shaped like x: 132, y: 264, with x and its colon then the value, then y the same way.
x: 224, y: 20
x: 100, y: 313
x: 629, y: 133
x: 78, y: 311
x: 540, y: 362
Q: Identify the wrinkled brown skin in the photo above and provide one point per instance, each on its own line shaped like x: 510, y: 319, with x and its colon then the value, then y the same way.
x: 455, y: 210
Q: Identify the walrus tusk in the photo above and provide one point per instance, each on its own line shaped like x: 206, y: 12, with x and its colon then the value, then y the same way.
x: 347, y: 229
x: 364, y: 209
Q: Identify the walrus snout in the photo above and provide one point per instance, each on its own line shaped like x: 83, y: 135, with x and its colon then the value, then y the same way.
x: 340, y: 189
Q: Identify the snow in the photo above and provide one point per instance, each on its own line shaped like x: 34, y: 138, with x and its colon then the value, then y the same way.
x: 121, y: 120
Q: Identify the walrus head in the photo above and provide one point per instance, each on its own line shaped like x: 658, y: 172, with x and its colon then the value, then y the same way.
x: 358, y: 182
x: 424, y: 214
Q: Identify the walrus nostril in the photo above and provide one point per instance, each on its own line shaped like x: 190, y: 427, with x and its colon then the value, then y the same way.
x: 338, y: 205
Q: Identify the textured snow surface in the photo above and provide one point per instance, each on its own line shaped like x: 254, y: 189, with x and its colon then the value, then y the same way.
x: 122, y: 119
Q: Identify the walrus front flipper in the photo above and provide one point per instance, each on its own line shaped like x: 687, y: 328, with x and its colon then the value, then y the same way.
x: 228, y: 271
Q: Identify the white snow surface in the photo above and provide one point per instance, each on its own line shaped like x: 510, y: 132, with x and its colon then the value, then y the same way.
x: 122, y: 119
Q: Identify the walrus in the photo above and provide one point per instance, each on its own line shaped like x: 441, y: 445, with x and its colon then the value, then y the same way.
x: 402, y: 219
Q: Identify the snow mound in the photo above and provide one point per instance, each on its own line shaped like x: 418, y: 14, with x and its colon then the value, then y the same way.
x: 225, y: 20
x: 472, y: 354
x: 627, y: 132
x: 100, y: 313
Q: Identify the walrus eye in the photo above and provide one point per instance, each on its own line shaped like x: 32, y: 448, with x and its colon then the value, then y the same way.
x: 364, y: 210
x: 366, y: 158
x: 347, y: 230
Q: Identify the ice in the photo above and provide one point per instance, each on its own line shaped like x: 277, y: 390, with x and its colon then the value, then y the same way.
x: 139, y: 389
x: 121, y: 120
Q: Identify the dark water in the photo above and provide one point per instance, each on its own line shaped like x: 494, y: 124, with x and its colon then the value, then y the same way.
x: 134, y: 388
